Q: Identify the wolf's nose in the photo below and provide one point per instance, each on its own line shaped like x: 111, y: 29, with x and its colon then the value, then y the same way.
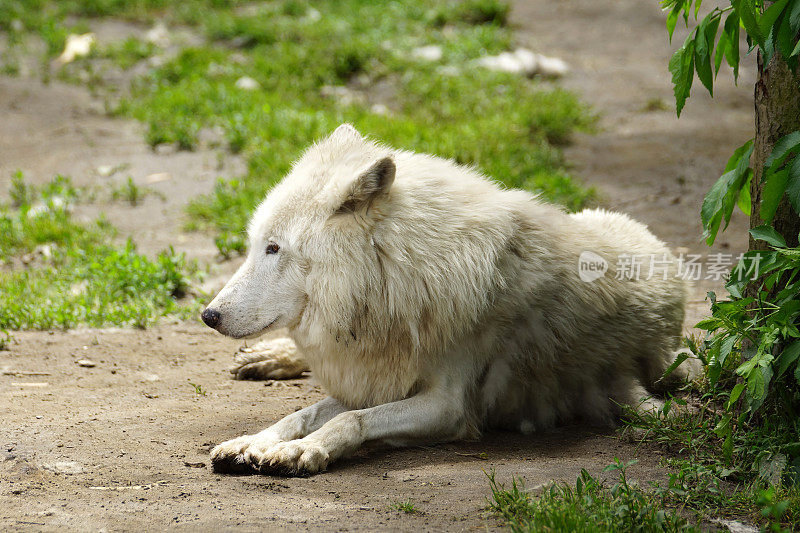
x: 210, y: 317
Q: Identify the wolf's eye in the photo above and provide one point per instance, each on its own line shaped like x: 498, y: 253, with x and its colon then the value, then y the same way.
x: 272, y: 248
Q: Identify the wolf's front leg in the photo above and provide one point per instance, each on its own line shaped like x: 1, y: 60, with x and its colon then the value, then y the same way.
x: 427, y: 417
x: 271, y: 359
x: 237, y: 456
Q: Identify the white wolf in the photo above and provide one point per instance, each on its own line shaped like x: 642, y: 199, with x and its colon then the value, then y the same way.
x: 432, y: 303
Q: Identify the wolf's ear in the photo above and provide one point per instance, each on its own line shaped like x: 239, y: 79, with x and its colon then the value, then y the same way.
x: 372, y: 183
x: 346, y: 131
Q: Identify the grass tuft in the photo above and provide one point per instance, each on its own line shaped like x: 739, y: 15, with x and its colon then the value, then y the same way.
x: 589, y: 506
x: 61, y: 273
x: 406, y: 507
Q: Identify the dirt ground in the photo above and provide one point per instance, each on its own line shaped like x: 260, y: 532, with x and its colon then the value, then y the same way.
x: 124, y: 445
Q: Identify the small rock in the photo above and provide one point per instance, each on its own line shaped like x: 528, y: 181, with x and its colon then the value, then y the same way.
x: 247, y: 83
x: 313, y: 15
x: 166, y: 148
x: 341, y: 93
x: 157, y: 177
x: 552, y: 66
x: 449, y: 70
x: 45, y: 250
x: 64, y: 467
x: 427, y: 53
x: 77, y: 46
x: 87, y: 363
x: 525, y: 62
x: 105, y: 171
x: 734, y: 526
x: 158, y: 35
x: 79, y: 288
x: 380, y: 109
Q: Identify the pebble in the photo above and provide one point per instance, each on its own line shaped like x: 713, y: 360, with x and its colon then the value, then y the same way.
x: 64, y: 467
x: 77, y: 46
x: 105, y: 171
x: 734, y: 526
x: 87, y: 363
x: 428, y: 53
x: 246, y: 83
x: 525, y: 62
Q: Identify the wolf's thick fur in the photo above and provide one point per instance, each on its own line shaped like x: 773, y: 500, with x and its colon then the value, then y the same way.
x: 432, y: 303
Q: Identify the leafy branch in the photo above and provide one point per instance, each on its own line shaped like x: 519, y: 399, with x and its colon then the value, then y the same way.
x: 771, y: 30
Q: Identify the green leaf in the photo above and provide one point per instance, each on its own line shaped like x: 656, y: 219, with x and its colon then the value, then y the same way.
x: 682, y: 67
x: 721, y: 198
x: 793, y: 184
x: 719, y: 54
x: 768, y: 234
x: 724, y: 429
x: 744, y: 201
x: 732, y: 51
x: 785, y: 144
x: 740, y: 155
x: 772, y: 192
x: 697, y: 5
x: 725, y: 348
x: 733, y: 193
x: 709, y: 324
x: 796, y: 49
x: 769, y: 47
x: 770, y: 16
x: 683, y: 356
x: 784, y: 37
x: 748, y: 14
x: 672, y: 19
x: 705, y: 34
x: 711, y: 210
x: 794, y: 17
x: 756, y: 387
x: 788, y: 356
x: 735, y: 393
x: 723, y: 426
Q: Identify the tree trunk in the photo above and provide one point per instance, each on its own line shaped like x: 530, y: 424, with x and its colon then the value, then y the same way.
x: 777, y: 102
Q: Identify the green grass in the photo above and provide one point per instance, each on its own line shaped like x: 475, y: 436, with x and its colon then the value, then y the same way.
x: 70, y: 273
x: 198, y: 389
x: 128, y: 191
x: 407, y: 507
x: 589, y: 506
x: 508, y: 126
x: 710, y: 475
x: 125, y: 54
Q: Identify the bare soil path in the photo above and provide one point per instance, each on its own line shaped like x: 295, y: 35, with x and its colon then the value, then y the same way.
x: 124, y: 445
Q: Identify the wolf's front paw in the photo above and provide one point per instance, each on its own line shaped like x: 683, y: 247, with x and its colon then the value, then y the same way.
x: 300, y: 457
x: 272, y: 359
x: 230, y: 457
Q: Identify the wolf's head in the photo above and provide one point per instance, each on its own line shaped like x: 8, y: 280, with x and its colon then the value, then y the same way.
x: 310, y: 235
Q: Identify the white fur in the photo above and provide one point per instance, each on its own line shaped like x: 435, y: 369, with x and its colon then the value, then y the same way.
x: 432, y: 303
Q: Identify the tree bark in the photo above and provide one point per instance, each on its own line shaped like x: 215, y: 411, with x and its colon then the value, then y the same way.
x: 777, y: 103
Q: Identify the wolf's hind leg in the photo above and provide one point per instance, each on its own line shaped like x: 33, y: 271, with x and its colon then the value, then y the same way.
x: 271, y: 359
